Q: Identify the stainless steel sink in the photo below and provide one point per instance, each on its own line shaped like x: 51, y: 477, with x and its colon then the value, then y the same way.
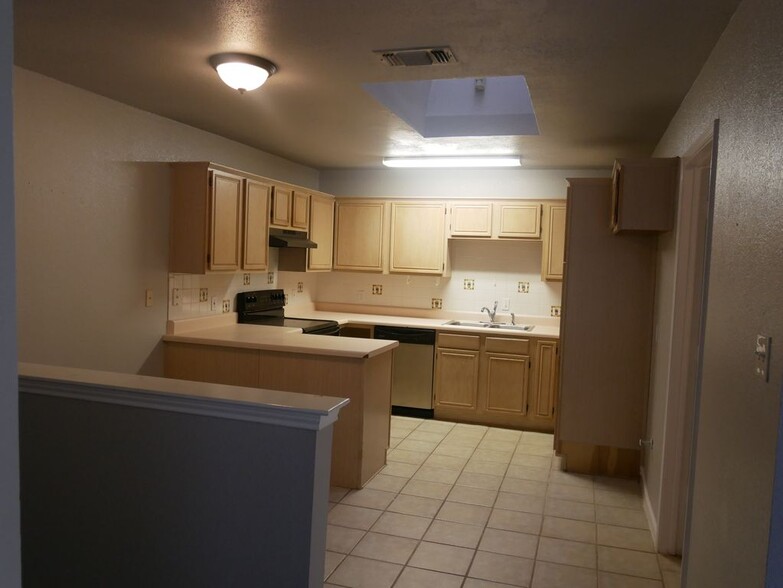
x: 488, y: 325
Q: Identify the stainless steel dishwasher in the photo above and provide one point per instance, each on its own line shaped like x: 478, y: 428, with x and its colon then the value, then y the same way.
x: 412, y: 369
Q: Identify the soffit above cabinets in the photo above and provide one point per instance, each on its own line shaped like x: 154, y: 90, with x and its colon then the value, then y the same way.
x: 605, y: 76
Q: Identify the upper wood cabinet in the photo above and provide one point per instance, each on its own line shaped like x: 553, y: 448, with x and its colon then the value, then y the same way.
x: 318, y: 259
x: 417, y: 237
x: 553, y: 236
x: 518, y: 220
x: 290, y: 208
x: 499, y: 219
x: 322, y: 232
x: 471, y: 219
x: 360, y: 233
x: 225, y: 216
x: 218, y: 219
x: 644, y: 192
x: 256, y: 227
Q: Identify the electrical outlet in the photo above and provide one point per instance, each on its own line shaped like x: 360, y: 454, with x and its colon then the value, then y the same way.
x: 270, y: 278
x: 175, y: 297
x: 506, y: 304
x: 523, y: 287
x: 246, y: 279
x: 437, y: 303
x: 203, y: 294
x: 554, y: 311
x: 226, y: 306
x: 377, y: 289
x: 300, y: 287
x: 148, y: 297
x: 214, y: 305
x: 468, y: 284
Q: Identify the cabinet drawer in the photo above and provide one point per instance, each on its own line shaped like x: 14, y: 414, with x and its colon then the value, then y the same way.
x: 459, y: 341
x: 507, y: 345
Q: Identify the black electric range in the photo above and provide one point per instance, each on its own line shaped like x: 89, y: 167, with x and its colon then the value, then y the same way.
x: 267, y: 307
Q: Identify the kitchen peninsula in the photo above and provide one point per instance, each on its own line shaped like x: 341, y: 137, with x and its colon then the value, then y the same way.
x: 218, y: 350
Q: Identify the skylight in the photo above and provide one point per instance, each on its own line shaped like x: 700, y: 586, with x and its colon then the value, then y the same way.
x: 464, y: 107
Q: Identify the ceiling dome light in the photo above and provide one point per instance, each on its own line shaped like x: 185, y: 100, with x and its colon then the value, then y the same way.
x: 241, y: 71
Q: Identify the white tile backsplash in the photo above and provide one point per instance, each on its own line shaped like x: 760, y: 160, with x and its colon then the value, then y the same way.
x: 495, y: 266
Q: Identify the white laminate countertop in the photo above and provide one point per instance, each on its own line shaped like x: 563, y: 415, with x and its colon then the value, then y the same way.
x: 437, y: 324
x: 223, y: 330
x: 202, y: 398
x: 280, y: 339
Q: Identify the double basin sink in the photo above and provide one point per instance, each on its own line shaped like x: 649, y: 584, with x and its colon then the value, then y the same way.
x: 488, y: 325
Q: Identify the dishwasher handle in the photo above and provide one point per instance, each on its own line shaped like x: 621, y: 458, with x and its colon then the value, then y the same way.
x: 405, y: 335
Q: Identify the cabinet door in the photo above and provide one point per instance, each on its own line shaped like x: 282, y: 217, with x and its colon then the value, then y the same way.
x: 359, y: 236
x: 471, y: 219
x: 519, y: 221
x: 322, y: 232
x: 456, y: 380
x: 300, y: 211
x: 553, y: 250
x: 281, y: 207
x: 506, y: 383
x: 225, y: 221
x: 545, y: 379
x: 417, y: 237
x: 256, y: 233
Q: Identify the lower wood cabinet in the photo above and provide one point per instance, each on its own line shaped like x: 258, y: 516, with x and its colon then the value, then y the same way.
x: 493, y: 380
x: 361, y: 434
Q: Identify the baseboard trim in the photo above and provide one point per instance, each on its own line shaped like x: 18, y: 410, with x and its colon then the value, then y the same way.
x: 652, y: 521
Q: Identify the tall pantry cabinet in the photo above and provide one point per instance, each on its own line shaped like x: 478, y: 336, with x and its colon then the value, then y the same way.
x: 605, y: 336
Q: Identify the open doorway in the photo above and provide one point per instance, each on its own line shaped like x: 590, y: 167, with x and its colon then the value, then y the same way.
x: 694, y: 227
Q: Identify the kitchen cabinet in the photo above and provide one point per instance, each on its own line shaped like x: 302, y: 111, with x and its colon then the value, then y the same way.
x: 496, y: 380
x: 496, y: 220
x: 517, y: 220
x: 361, y: 434
x: 471, y: 219
x: 214, y: 219
x: 456, y: 376
x: 361, y: 235
x: 553, y: 237
x: 321, y: 231
x: 644, y: 193
x: 417, y: 238
x: 544, y: 378
x: 256, y: 225
x: 606, y: 336
x: 290, y: 208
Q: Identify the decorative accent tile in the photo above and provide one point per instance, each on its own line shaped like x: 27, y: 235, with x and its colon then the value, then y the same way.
x: 554, y: 311
x: 468, y: 284
x: 377, y: 289
x: 437, y: 303
x: 523, y: 287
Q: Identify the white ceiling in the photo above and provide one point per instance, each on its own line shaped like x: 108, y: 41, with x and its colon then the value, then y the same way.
x: 605, y: 76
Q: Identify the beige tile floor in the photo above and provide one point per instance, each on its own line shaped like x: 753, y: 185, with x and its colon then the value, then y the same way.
x: 481, y: 507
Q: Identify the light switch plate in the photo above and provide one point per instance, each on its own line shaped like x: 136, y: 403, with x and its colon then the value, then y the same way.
x: 763, y: 344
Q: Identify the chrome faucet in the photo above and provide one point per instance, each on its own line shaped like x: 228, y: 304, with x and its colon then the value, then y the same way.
x: 491, y: 313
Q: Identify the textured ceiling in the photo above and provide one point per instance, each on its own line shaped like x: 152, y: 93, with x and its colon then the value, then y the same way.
x: 605, y: 76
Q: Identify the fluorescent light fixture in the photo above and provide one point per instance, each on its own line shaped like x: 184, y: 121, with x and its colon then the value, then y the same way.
x: 241, y: 71
x: 475, y: 161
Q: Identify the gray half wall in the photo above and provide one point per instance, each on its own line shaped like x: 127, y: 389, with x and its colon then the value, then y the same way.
x: 128, y: 497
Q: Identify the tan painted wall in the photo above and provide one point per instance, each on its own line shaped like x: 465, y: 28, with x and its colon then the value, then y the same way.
x: 92, y: 221
x: 742, y: 85
x: 10, y: 555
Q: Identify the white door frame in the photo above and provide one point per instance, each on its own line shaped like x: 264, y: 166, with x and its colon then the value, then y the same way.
x: 693, y: 229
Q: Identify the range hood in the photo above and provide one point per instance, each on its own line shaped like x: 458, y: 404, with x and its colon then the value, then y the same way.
x: 283, y: 238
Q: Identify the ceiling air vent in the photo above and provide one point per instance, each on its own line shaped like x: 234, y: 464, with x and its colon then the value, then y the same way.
x: 422, y: 56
